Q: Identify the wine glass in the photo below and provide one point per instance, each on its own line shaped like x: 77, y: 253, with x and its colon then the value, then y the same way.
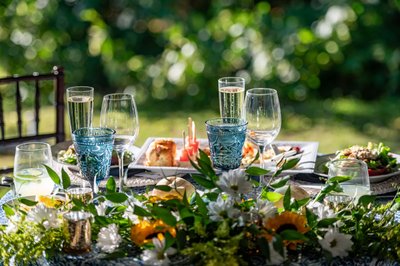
x: 118, y: 112
x: 263, y: 114
x: 357, y: 170
x: 30, y: 175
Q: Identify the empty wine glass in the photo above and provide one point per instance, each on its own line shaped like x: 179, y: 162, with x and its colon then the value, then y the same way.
x: 118, y: 112
x: 263, y: 114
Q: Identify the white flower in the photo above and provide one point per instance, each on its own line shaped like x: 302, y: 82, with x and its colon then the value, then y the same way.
x: 275, y: 258
x: 44, y: 215
x: 12, y: 226
x: 157, y: 256
x: 128, y: 214
x: 235, y: 182
x: 321, y: 210
x: 222, y: 208
x: 101, y: 208
x: 108, y: 239
x: 338, y: 244
x: 264, y: 208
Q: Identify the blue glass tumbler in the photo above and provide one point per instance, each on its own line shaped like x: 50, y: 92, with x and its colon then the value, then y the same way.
x: 226, y: 137
x: 94, y: 149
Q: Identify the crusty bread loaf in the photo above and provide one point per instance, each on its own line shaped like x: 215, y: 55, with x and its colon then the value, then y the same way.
x: 178, y: 185
x: 161, y: 152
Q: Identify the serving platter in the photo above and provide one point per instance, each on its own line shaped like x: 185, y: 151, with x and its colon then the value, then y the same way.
x: 321, y: 170
x: 306, y: 164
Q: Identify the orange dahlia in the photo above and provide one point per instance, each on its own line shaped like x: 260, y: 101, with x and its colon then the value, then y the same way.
x: 145, y: 231
x: 284, y: 221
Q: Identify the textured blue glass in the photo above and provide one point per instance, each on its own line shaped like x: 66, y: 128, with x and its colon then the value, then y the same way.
x: 94, y: 149
x: 226, y: 138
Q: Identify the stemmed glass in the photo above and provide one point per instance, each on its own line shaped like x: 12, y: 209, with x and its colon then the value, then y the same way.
x: 263, y: 114
x: 118, y: 112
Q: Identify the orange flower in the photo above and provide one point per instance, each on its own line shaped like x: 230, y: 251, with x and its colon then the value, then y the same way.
x: 284, y: 221
x: 144, y: 231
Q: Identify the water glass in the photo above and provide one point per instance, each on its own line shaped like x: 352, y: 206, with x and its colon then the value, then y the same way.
x: 357, y: 170
x: 226, y: 138
x: 30, y: 175
x: 94, y: 149
x: 80, y: 106
x: 231, y: 96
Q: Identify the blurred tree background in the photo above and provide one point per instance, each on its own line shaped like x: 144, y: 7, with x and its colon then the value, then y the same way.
x: 335, y: 64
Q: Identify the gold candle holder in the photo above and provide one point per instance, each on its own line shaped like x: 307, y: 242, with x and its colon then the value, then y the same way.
x: 84, y: 194
x: 77, y: 232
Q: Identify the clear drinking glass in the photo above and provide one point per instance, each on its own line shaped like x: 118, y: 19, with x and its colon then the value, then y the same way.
x: 226, y: 137
x: 94, y: 149
x: 30, y: 175
x: 80, y: 106
x: 263, y: 114
x: 118, y: 111
x: 231, y: 96
x: 358, y: 185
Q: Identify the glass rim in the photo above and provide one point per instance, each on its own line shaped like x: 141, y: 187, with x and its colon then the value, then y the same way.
x: 77, y: 215
x: 110, y: 130
x: 262, y: 91
x: 240, y: 121
x: 21, y: 147
x: 225, y: 80
x: 350, y: 160
x: 118, y: 96
x: 80, y: 89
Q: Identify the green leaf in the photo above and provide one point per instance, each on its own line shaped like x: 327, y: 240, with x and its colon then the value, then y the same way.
x: 365, y: 200
x: 312, y: 218
x: 202, y: 207
x: 66, y: 180
x: 286, y: 199
x: 139, y: 211
x: 256, y: 171
x: 273, y: 196
x: 204, y: 157
x: 185, y: 213
x: 164, y: 214
x: 169, y: 240
x: 9, y: 211
x: 78, y: 203
x: 202, y: 181
x: 181, y: 238
x: 262, y: 244
x: 290, y: 234
x: 111, y: 186
x: 213, y: 196
x: 163, y: 188
x: 302, y: 202
x: 116, y: 197
x: 27, y: 202
x: 280, y: 182
x: 289, y: 164
x: 326, y: 222
x: 53, y: 175
x: 339, y: 179
x: 92, y: 209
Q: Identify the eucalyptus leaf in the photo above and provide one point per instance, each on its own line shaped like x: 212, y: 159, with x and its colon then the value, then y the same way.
x: 53, y: 175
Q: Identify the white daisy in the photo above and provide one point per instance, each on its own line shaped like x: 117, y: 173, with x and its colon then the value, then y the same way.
x: 321, y: 210
x: 108, y: 239
x: 46, y: 216
x: 222, y: 208
x: 235, y: 182
x: 264, y: 208
x: 338, y: 244
x: 157, y: 256
x: 275, y: 258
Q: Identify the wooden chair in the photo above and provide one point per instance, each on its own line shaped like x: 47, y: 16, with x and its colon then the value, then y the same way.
x: 35, y: 80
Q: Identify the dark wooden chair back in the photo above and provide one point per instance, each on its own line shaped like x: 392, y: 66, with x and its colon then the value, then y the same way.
x: 36, y: 79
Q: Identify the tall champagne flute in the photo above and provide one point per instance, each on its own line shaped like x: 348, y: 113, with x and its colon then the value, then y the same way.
x: 231, y: 96
x: 80, y: 106
x: 118, y: 112
x: 263, y: 114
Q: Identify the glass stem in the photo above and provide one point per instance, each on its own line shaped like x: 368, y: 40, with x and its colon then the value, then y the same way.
x: 261, y: 149
x: 120, y: 155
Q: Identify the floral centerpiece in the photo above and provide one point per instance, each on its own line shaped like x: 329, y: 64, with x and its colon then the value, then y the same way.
x: 219, y: 224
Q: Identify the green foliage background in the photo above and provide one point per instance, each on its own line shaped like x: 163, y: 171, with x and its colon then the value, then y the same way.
x: 335, y: 64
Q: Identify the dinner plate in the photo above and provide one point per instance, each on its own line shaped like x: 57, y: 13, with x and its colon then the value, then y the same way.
x: 64, y: 146
x: 321, y: 170
x: 306, y: 164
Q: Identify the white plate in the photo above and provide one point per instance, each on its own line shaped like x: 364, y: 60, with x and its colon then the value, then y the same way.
x: 64, y: 146
x: 306, y: 164
x: 322, y: 160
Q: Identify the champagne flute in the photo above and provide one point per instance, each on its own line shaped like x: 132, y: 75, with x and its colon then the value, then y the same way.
x: 263, y: 114
x: 231, y: 96
x: 118, y: 112
x: 80, y: 106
